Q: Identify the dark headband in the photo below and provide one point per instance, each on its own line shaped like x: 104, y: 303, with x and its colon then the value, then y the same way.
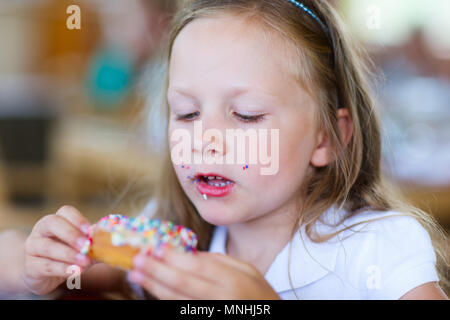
x: 309, y: 12
x: 325, y: 28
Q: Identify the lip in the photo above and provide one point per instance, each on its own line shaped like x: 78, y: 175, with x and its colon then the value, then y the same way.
x: 210, y: 190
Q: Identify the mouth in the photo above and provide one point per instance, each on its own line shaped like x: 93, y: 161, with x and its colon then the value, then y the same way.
x: 213, y: 184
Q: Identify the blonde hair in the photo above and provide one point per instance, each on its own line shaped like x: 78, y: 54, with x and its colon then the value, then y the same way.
x: 334, y: 70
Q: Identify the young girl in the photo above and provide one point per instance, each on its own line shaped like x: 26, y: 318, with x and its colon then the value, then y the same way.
x: 324, y: 226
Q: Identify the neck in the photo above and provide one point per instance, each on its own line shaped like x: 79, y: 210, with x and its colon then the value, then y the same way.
x: 258, y: 241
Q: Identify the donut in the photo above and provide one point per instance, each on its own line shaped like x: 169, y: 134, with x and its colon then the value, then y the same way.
x: 115, y: 239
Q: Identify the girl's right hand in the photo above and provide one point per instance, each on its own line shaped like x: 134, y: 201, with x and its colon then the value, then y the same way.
x: 52, y: 247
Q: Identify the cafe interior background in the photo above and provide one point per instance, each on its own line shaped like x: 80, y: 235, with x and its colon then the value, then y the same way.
x: 74, y: 104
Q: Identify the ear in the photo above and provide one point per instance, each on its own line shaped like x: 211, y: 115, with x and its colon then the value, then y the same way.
x: 321, y: 156
x: 345, y: 124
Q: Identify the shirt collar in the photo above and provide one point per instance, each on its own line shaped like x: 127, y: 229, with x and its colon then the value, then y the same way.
x: 309, y: 261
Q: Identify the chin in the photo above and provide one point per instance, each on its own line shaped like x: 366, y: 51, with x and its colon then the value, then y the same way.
x: 218, y: 215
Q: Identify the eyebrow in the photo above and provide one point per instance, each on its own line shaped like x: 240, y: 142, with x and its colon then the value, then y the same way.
x: 232, y: 93
x: 181, y: 91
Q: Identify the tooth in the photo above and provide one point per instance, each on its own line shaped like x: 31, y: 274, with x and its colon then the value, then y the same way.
x: 219, y: 178
x: 228, y: 182
x: 216, y: 184
x: 210, y: 178
x: 222, y: 184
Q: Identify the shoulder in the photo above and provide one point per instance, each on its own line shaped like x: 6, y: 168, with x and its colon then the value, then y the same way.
x: 391, y: 235
x: 388, y: 251
x: 372, y: 226
x: 386, y: 226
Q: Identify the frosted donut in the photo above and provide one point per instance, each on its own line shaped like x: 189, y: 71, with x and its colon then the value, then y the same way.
x: 116, y: 239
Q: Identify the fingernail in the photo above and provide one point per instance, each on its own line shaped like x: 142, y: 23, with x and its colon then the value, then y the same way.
x: 159, y: 252
x: 85, y: 228
x: 139, y: 261
x: 136, y: 276
x: 81, y: 257
x: 80, y: 242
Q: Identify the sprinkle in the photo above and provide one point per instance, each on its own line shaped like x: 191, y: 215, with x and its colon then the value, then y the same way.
x: 86, y: 247
x: 187, y: 167
x: 148, y: 234
x: 205, y: 197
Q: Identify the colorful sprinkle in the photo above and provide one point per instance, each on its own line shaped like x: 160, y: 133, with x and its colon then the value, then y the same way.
x: 148, y: 234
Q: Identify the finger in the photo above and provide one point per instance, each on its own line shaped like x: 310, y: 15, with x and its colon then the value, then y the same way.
x: 207, y: 264
x: 188, y: 262
x: 55, y: 250
x: 157, y: 288
x: 185, y: 262
x: 187, y: 283
x: 233, y: 262
x: 74, y: 217
x: 38, y: 267
x: 61, y: 229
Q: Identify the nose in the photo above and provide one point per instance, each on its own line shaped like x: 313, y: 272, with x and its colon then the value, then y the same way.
x: 210, y: 142
x: 213, y: 145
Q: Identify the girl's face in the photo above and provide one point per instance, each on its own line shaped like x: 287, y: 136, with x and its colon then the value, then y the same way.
x: 225, y: 73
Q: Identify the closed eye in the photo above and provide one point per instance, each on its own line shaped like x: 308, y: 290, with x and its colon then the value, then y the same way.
x: 249, y: 118
x: 188, y: 116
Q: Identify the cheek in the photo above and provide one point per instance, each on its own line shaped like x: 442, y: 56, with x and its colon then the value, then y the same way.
x: 180, y: 139
x: 296, y: 148
x: 181, y: 170
x: 295, y: 154
x: 294, y: 157
x: 296, y: 145
x: 178, y: 171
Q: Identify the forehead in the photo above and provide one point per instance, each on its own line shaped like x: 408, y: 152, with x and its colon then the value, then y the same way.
x: 226, y: 51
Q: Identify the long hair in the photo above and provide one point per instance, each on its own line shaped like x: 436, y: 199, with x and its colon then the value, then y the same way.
x: 334, y: 70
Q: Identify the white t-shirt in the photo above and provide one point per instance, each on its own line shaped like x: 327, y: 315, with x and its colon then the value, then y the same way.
x: 381, y: 259
x: 384, y: 259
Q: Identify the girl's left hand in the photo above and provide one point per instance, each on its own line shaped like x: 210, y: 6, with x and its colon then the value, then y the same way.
x: 203, y: 275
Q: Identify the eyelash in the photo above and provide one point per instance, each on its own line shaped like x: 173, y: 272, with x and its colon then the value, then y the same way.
x: 243, y: 118
x: 247, y: 118
x: 187, y: 116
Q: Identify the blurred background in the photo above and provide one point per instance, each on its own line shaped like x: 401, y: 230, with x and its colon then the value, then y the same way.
x: 74, y: 103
